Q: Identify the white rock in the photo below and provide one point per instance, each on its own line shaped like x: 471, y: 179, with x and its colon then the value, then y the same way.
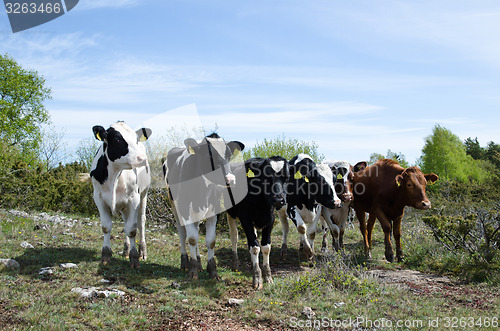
x: 26, y: 244
x: 88, y: 292
x: 10, y: 263
x: 236, y: 302
x: 46, y: 271
x: 308, y: 312
x: 68, y: 265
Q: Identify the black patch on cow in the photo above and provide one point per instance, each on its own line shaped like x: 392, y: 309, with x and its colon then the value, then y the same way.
x: 100, y: 173
x: 118, y: 147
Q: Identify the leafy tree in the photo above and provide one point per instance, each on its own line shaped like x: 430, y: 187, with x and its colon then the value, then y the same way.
x: 285, y: 147
x: 399, y: 157
x: 492, y: 153
x: 22, y: 93
x: 473, y: 148
x: 445, y: 154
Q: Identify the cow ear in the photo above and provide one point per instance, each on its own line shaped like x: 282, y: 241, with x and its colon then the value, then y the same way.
x: 399, y: 180
x: 191, y: 144
x: 235, y: 145
x: 360, y: 166
x: 431, y: 178
x: 99, y: 133
x: 143, y: 134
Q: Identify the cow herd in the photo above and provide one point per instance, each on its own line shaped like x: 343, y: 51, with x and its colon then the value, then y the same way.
x: 207, y: 178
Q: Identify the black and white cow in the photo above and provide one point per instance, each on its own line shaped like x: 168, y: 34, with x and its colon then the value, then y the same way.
x: 121, y: 178
x: 336, y: 219
x: 198, y: 176
x: 266, y: 179
x: 311, y: 186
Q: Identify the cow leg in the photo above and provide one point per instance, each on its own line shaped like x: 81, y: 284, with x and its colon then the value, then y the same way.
x: 266, y: 251
x: 387, y: 227
x: 397, y: 238
x: 233, y: 234
x: 254, y: 247
x: 311, y: 230
x: 141, y: 222
x: 371, y: 222
x: 324, y: 241
x: 182, y: 237
x: 362, y: 227
x: 211, y: 224
x: 192, y: 232
x: 284, y: 229
x: 304, y: 246
x: 130, y: 217
x: 107, y: 225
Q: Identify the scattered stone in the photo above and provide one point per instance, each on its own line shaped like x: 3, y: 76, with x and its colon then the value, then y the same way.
x: 46, y: 271
x: 175, y: 285
x: 105, y: 281
x: 68, y: 265
x: 26, y: 244
x: 235, y: 302
x: 10, y: 263
x: 308, y: 312
x: 338, y: 304
x: 89, y: 292
x: 44, y: 227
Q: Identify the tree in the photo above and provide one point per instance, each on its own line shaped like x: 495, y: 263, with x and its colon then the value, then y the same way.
x: 399, y: 157
x: 473, y: 148
x: 285, y: 147
x: 22, y: 93
x: 445, y: 154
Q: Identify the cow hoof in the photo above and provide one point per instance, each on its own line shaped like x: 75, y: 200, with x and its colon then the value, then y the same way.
x: 134, y: 259
x: 400, y: 258
x: 194, y: 267
x: 184, y: 262
x: 126, y: 250
x: 308, y: 253
x: 143, y: 255
x: 212, y: 269
x: 266, y: 273
x: 106, y: 255
x: 368, y: 255
x: 235, y: 266
x: 284, y: 250
x: 389, y: 256
x: 199, y: 263
x: 257, y: 277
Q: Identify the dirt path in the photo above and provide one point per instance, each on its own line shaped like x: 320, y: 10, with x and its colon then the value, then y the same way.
x: 456, y: 293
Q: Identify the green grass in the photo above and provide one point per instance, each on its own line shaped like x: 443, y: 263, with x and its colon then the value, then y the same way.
x: 159, y: 295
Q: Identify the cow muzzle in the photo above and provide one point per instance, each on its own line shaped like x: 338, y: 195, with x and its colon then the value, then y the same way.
x: 278, y: 202
x: 425, y: 205
x: 140, y: 161
x: 230, y: 180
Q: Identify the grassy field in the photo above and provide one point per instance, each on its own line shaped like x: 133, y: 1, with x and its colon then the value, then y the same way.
x: 341, y: 290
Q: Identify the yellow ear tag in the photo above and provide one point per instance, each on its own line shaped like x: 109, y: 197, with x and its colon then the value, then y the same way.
x: 398, y: 183
x: 306, y: 179
x: 143, y: 139
x: 297, y: 175
x: 191, y: 150
x: 250, y: 173
x: 339, y: 176
x: 98, y: 137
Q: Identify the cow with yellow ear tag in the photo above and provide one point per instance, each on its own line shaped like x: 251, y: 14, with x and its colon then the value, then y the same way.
x: 311, y: 186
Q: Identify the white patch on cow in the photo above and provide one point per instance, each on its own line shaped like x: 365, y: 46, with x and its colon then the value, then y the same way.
x: 219, y: 145
x: 326, y: 173
x: 301, y: 157
x: 277, y: 165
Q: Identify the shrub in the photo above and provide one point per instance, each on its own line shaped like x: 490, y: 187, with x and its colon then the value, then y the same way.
x: 475, y: 231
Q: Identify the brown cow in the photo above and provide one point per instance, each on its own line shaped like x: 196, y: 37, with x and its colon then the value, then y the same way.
x: 383, y: 190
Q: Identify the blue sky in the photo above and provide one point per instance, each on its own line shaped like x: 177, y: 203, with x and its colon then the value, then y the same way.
x: 356, y: 77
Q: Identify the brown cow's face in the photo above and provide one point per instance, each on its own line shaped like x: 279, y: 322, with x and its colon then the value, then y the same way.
x: 413, y: 182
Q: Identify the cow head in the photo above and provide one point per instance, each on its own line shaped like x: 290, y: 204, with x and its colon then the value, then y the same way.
x: 214, y: 153
x: 122, y: 145
x: 412, y: 183
x: 316, y: 180
x: 277, y: 172
x: 343, y: 172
